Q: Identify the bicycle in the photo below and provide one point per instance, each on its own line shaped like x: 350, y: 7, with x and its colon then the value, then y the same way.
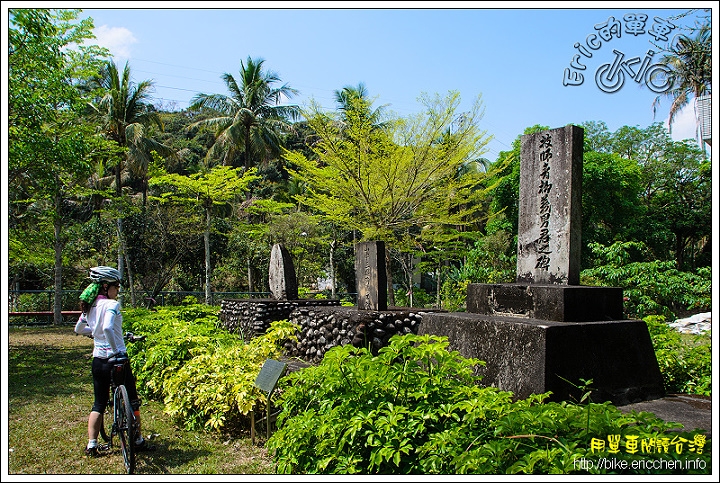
x: 610, y: 77
x: 124, y: 424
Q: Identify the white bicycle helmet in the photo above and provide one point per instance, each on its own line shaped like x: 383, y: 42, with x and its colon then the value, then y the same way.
x: 105, y: 274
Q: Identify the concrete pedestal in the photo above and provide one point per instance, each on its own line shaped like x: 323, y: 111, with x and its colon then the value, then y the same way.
x: 530, y: 356
x: 561, y: 303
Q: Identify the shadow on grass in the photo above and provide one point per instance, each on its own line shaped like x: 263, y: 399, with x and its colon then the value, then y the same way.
x: 38, y: 372
x: 165, y: 459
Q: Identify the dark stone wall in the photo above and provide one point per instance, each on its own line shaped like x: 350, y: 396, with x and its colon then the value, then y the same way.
x: 252, y: 317
x: 323, y: 324
x: 322, y: 328
x: 523, y: 355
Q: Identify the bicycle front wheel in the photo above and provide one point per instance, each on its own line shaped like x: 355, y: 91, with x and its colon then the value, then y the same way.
x: 106, y: 435
x: 126, y: 427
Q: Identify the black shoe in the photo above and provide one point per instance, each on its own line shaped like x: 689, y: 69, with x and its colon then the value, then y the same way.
x: 92, y: 452
x: 144, y: 446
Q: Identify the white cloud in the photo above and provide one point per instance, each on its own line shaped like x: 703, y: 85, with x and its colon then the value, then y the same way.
x: 117, y: 39
x: 684, y: 125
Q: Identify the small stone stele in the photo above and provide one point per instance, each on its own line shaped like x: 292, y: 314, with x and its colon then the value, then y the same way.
x: 370, y: 275
x: 282, y: 279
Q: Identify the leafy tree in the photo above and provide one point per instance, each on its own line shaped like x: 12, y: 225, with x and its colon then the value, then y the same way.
x: 191, y: 144
x: 597, y: 137
x: 348, y: 99
x: 610, y: 208
x: 164, y: 239
x: 678, y: 201
x: 216, y: 187
x: 642, y: 145
x: 251, y: 119
x: 383, y: 182
x: 48, y: 144
x: 124, y: 110
x: 251, y: 241
x: 673, y: 197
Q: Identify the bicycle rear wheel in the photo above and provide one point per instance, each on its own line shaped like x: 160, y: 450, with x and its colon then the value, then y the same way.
x: 126, y: 427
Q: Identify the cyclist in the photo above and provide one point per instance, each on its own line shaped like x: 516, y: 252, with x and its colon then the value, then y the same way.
x: 102, y: 321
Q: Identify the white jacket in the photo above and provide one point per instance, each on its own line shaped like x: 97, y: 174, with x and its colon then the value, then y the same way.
x: 104, y: 324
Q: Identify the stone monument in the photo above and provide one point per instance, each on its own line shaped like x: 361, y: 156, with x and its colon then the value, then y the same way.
x: 549, y: 230
x: 546, y: 332
x: 370, y: 275
x: 281, y: 274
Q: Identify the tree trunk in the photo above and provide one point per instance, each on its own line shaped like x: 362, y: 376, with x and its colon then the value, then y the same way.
x: 118, y: 194
x: 57, y: 302
x: 438, y: 300
x: 332, y: 269
x: 388, y: 274
x: 130, y: 283
x: 410, y: 280
x: 250, y: 274
x: 679, y: 251
x: 120, y: 264
x: 208, y: 297
x: 14, y: 296
x: 124, y: 263
x: 246, y: 155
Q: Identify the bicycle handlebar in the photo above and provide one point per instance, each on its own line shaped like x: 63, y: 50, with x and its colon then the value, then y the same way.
x: 129, y: 336
x: 121, y: 357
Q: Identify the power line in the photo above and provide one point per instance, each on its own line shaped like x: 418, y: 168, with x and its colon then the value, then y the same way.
x: 327, y: 97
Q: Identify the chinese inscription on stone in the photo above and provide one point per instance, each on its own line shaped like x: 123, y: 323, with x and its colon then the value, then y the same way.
x: 550, y: 202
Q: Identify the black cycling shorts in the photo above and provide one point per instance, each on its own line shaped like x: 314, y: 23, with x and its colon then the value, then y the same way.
x: 101, y: 370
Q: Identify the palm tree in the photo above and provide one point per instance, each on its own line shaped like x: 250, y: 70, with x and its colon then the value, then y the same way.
x: 688, y: 61
x: 123, y: 110
x: 352, y: 98
x: 250, y: 121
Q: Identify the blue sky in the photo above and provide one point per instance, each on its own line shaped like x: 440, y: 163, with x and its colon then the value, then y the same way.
x: 514, y: 57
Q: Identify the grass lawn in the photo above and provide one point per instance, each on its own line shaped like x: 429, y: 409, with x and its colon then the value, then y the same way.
x: 49, y: 391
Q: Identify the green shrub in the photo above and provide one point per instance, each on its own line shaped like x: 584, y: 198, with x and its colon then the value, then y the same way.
x: 454, y: 294
x: 33, y: 302
x: 685, y: 360
x: 491, y: 260
x: 420, y: 296
x: 417, y: 408
x: 203, y: 373
x: 650, y: 287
